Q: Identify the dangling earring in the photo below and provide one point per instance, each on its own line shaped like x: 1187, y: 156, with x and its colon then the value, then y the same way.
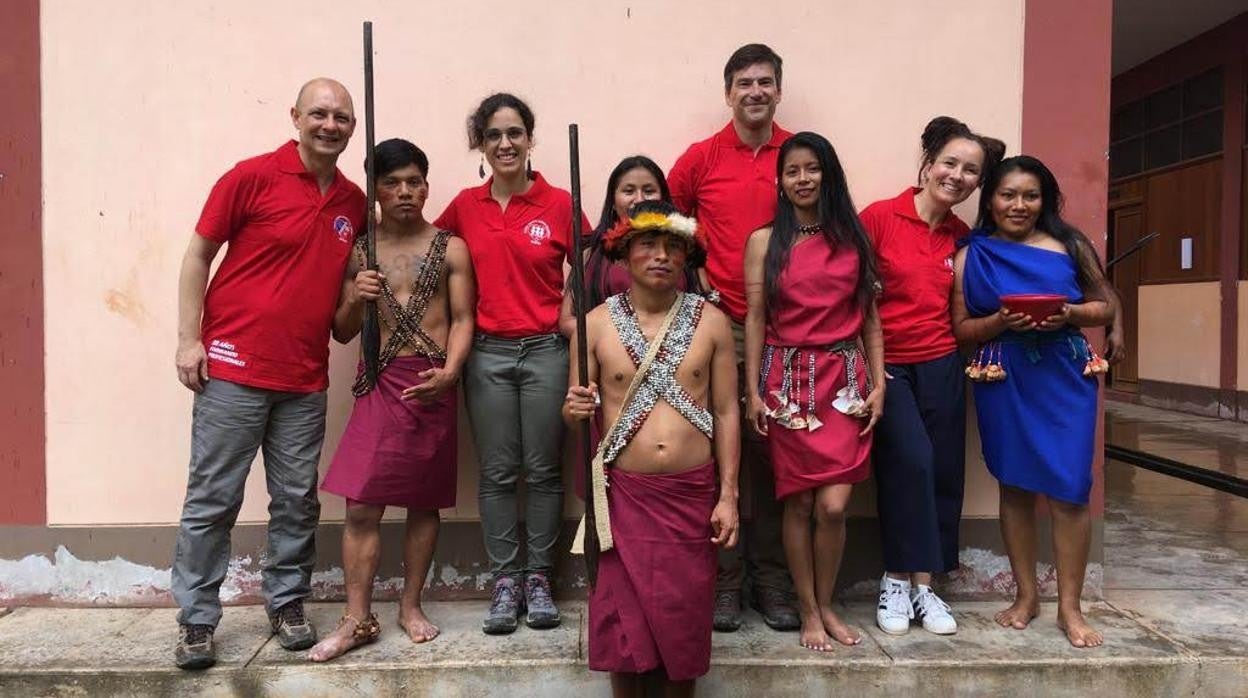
x: 481, y: 168
x: 528, y: 167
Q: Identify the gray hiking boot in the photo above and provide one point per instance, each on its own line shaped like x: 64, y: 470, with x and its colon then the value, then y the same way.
x: 504, y: 608
x: 542, y: 613
x: 293, y: 629
x: 195, y: 647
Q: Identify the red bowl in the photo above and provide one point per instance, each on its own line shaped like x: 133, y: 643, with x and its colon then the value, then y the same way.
x: 1037, y: 306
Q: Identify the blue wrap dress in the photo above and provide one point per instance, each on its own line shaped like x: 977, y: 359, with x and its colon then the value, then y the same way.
x: 1037, y: 426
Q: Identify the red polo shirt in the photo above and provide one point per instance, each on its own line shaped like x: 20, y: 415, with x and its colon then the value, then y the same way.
x: 916, y: 269
x: 270, y: 307
x: 517, y: 254
x: 732, y: 192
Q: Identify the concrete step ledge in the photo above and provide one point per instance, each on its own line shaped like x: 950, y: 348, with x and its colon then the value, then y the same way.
x: 63, y: 652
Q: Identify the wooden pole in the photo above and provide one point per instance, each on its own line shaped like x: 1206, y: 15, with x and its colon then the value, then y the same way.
x: 370, y: 333
x: 582, y: 365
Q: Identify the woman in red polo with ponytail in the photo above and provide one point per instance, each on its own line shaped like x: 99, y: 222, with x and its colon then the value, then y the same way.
x: 920, y: 442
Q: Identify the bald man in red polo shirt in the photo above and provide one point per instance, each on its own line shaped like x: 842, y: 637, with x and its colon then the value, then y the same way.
x: 728, y: 182
x: 255, y: 349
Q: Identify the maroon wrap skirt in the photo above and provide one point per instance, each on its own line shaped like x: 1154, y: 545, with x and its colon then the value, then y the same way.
x: 654, y: 599
x: 398, y: 452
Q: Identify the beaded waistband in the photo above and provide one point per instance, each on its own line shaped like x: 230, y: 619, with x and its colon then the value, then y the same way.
x: 788, y: 413
x: 986, y: 365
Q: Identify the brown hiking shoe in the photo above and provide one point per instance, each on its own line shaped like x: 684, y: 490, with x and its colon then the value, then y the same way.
x: 727, y: 618
x: 776, y: 608
x: 195, y: 648
x: 293, y: 629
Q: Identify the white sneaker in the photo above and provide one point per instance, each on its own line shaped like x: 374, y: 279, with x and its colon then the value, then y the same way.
x: 894, y: 612
x: 929, y: 608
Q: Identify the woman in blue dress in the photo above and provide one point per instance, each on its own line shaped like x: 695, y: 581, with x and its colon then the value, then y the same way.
x: 1036, y: 378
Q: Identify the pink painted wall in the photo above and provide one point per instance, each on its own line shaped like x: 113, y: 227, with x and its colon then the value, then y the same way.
x: 146, y: 104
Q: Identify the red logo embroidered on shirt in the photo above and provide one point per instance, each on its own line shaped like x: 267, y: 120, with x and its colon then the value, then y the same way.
x: 538, y: 232
x: 344, y: 229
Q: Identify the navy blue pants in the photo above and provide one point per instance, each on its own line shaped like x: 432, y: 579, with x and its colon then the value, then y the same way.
x: 919, y: 459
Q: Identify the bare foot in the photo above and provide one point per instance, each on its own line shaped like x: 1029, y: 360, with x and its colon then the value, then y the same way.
x: 838, y: 629
x: 417, y: 625
x: 1019, y: 614
x: 1080, y: 633
x: 337, y: 643
x: 813, y: 636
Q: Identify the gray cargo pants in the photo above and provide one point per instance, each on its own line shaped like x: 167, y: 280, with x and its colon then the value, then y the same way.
x: 230, y: 423
x: 513, y: 392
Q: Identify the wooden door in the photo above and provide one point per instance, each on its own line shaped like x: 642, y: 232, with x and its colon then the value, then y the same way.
x: 1127, y: 226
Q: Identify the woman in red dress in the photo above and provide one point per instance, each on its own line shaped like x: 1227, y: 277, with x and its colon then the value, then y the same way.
x: 813, y: 339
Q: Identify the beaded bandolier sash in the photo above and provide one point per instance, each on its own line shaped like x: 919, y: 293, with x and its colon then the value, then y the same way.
x: 655, y: 379
x: 403, y: 322
x: 660, y: 381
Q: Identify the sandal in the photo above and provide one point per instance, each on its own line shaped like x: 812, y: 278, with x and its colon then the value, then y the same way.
x: 366, y: 631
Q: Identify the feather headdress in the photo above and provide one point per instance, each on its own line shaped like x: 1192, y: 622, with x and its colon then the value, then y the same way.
x: 615, y: 241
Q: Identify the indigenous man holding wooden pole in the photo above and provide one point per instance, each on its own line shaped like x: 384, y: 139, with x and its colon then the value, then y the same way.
x: 399, y: 447
x: 664, y: 365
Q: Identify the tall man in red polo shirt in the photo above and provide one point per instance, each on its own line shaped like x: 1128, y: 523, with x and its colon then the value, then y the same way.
x: 728, y: 182
x: 255, y: 350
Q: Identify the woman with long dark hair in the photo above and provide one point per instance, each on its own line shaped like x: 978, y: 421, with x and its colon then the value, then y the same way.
x: 1035, y: 376
x: 920, y: 444
x: 810, y: 286
x: 518, y: 231
x: 634, y: 179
